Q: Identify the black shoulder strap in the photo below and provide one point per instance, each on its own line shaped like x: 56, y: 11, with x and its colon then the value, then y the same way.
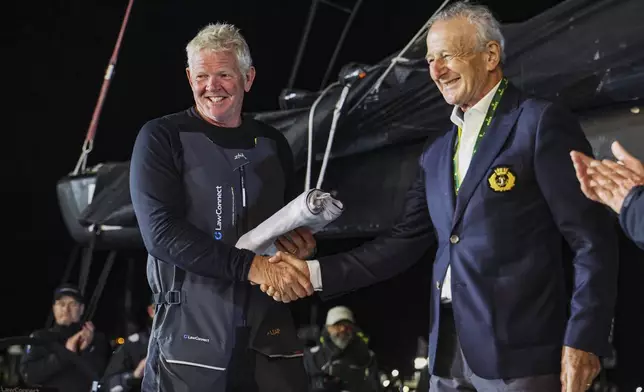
x: 178, y: 274
x: 173, y: 295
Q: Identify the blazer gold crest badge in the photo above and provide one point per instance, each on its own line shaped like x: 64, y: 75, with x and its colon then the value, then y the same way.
x: 502, y: 179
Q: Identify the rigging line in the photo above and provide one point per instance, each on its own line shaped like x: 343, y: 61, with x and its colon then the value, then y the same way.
x: 88, y: 144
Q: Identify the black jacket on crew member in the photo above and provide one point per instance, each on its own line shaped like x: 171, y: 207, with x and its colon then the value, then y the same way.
x: 42, y: 366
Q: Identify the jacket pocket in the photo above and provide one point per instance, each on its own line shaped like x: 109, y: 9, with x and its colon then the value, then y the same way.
x: 198, y: 331
x: 272, y: 329
x: 183, y: 376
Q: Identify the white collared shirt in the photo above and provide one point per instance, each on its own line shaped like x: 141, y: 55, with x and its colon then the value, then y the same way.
x: 470, y: 123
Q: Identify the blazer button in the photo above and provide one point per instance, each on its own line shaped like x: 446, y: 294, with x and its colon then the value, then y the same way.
x: 454, y: 239
x: 438, y: 285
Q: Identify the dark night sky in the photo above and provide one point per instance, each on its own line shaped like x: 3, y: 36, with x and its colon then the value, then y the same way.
x: 58, y: 53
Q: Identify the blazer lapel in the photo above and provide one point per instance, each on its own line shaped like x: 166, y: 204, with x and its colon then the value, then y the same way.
x: 491, y: 144
x: 446, y: 168
x: 439, y: 185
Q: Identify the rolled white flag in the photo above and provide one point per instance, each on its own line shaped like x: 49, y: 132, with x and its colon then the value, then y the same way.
x: 313, y: 209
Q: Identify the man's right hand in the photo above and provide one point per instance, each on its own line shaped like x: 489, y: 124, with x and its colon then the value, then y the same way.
x: 289, y: 281
x: 72, y: 343
x: 284, y: 257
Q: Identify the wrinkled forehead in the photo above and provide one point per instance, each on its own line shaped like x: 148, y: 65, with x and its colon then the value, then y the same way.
x: 209, y: 58
x: 456, y: 35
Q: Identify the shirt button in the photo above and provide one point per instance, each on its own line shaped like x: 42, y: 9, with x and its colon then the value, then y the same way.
x: 454, y: 239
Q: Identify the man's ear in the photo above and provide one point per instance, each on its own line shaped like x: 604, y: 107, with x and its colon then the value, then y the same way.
x: 250, y: 77
x: 188, y: 75
x: 82, y: 309
x: 493, y: 51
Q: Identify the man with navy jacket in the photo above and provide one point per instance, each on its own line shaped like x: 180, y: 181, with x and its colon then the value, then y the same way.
x: 499, y: 197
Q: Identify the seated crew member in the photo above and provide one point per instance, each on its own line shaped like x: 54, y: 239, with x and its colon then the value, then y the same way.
x: 125, y: 369
x: 342, y: 361
x: 41, y: 366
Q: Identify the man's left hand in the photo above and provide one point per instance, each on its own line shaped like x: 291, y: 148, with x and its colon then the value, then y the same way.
x: 299, y: 242
x: 578, y: 369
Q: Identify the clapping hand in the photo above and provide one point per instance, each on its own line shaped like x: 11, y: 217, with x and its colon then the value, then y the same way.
x: 72, y: 343
x: 81, y: 339
x: 86, y: 335
x: 608, y: 182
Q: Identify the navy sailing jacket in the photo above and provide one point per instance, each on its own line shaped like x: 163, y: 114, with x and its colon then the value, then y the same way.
x: 196, y: 188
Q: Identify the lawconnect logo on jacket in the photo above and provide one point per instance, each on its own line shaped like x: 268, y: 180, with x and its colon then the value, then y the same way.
x: 218, y: 211
x: 197, y: 338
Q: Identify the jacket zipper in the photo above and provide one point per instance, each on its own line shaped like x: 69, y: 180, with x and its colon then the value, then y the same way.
x: 244, y: 208
x: 243, y: 228
x: 234, y: 204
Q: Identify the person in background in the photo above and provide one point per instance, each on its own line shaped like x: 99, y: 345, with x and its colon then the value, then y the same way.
x: 41, y: 366
x: 342, y: 361
x: 125, y: 369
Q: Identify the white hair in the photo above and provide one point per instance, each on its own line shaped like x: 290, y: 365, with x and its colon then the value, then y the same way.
x: 221, y: 37
x: 487, y: 27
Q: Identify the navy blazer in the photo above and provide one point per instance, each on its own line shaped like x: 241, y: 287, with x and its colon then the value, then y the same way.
x: 504, y: 236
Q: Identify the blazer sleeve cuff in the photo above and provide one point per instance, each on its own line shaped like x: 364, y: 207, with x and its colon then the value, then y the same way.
x: 589, y: 339
x: 626, y: 220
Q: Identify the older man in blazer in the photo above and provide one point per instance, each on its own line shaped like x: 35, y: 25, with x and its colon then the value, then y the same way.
x: 499, y: 196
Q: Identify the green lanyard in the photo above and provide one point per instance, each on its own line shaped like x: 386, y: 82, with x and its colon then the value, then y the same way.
x: 482, y: 131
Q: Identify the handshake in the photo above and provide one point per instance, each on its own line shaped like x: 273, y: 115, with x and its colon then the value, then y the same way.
x: 285, y: 276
